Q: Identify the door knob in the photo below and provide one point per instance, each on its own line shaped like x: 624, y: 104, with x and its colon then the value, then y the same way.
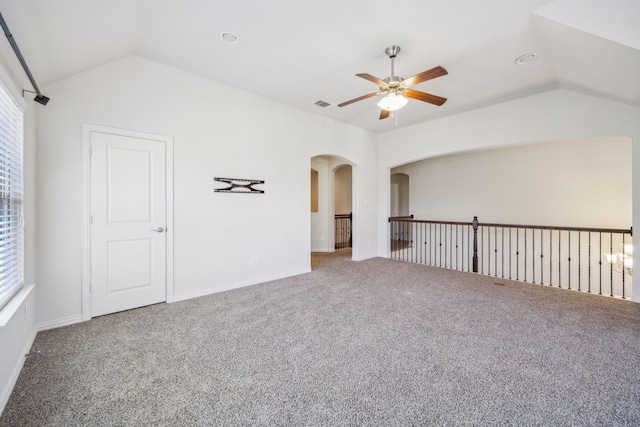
x: 158, y: 230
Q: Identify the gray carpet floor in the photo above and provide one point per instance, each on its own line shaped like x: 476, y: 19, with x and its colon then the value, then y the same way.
x: 377, y: 342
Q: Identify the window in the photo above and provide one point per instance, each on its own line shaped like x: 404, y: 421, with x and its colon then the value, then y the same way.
x: 11, y: 230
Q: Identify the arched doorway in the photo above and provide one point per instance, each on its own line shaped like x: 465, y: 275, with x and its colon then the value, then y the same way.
x: 399, y: 203
x: 331, y: 195
x: 343, y: 207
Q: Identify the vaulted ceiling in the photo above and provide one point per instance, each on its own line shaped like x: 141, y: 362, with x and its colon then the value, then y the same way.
x: 300, y: 52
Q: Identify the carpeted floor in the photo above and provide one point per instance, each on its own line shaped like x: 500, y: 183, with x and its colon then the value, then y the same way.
x: 376, y: 342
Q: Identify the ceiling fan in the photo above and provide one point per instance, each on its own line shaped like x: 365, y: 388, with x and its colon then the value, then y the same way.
x: 396, y: 89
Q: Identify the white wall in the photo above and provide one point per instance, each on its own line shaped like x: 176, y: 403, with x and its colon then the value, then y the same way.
x: 16, y: 339
x: 557, y: 115
x: 579, y: 183
x: 320, y: 230
x: 216, y: 234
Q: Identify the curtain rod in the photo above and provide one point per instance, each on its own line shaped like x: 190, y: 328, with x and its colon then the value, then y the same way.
x: 39, y: 96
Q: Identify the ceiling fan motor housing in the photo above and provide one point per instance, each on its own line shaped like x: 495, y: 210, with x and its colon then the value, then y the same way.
x: 394, y: 80
x: 392, y: 83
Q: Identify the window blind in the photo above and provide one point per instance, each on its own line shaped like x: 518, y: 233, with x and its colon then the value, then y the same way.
x: 11, y: 196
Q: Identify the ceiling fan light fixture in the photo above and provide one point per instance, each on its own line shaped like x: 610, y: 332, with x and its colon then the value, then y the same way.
x: 392, y: 102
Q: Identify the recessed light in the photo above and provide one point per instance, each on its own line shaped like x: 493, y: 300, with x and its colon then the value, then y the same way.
x: 229, y: 37
x: 526, y: 58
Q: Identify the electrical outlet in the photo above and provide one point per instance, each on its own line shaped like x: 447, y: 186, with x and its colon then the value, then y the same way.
x: 252, y: 262
x: 258, y: 260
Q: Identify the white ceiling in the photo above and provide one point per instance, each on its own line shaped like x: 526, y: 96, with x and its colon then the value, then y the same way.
x: 299, y: 52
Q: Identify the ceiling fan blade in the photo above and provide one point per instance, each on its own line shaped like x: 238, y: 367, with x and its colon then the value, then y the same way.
x: 424, y: 76
x: 384, y: 114
x: 344, y: 104
x: 425, y: 97
x: 373, y: 79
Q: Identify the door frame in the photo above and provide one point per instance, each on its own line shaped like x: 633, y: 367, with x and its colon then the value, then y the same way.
x: 87, y: 129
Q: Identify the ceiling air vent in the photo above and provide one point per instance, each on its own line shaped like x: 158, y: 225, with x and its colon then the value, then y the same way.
x: 322, y: 104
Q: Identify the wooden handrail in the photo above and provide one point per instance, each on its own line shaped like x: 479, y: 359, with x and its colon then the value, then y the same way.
x: 535, y: 227
x: 400, y: 218
x: 553, y: 227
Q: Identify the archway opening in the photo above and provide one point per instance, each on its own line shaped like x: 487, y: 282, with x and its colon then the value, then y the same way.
x: 343, y: 212
x: 331, y: 205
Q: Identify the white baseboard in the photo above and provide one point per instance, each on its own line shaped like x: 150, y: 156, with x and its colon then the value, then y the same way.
x: 8, y: 388
x: 236, y: 285
x: 58, y: 323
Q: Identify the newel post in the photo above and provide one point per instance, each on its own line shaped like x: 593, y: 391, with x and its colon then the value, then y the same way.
x: 475, y: 244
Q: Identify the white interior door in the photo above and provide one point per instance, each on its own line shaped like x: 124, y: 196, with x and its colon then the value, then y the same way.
x: 127, y: 222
